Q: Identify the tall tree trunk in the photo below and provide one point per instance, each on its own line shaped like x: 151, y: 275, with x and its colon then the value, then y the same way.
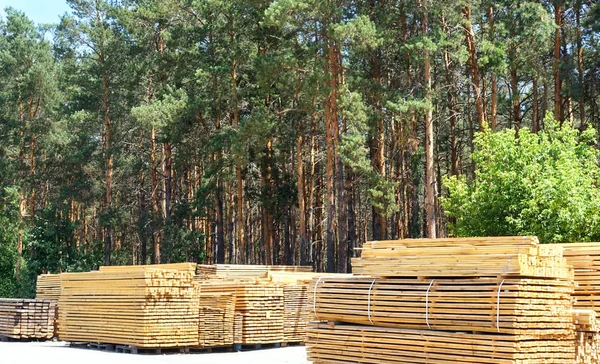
x: 474, y: 67
x: 220, y: 223
x: 330, y: 141
x: 580, y: 69
x: 301, y: 194
x: 267, y: 218
x: 239, y: 218
x: 515, y: 97
x: 314, y: 200
x: 558, y: 101
x: 156, y: 235
x: 452, y: 109
x: 430, y: 185
x: 142, y: 207
x: 109, y: 163
x: 535, y: 113
x: 494, y: 82
x: 342, y: 218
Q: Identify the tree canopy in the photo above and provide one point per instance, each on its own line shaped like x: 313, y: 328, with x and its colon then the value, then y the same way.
x: 289, y: 131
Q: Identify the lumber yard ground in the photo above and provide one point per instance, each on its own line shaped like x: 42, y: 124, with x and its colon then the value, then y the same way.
x: 61, y: 353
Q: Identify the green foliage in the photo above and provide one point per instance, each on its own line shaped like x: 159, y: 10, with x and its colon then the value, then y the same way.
x: 542, y: 184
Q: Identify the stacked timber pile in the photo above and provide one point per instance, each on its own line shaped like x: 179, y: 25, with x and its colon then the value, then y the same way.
x: 259, y: 309
x: 296, y: 314
x: 48, y: 286
x: 142, y: 306
x: 216, y: 319
x: 587, y: 339
x: 27, y: 319
x: 239, y: 271
x: 476, y: 300
x: 295, y: 301
x: 585, y: 259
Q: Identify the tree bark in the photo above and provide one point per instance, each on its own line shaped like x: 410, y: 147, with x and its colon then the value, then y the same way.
x: 494, y: 82
x: 109, y: 163
x: 429, y: 139
x: 474, y: 67
x: 515, y: 97
x: 535, y: 113
x: 301, y: 194
x: 558, y: 100
x: 239, y: 218
x: 580, y: 69
x: 452, y: 109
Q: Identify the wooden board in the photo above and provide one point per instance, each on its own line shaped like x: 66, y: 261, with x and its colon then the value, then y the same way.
x: 27, y: 319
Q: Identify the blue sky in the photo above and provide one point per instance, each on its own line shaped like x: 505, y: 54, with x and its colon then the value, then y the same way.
x: 40, y: 11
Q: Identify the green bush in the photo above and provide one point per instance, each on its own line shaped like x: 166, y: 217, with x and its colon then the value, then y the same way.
x: 543, y: 184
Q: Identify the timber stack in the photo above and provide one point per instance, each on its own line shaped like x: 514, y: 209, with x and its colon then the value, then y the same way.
x: 216, y: 319
x: 295, y: 301
x: 585, y: 259
x: 587, y: 339
x: 244, y: 272
x: 140, y: 306
x: 48, y: 287
x: 259, y: 310
x: 24, y: 319
x: 473, y: 300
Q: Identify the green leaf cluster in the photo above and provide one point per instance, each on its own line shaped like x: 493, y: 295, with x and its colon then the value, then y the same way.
x: 543, y: 184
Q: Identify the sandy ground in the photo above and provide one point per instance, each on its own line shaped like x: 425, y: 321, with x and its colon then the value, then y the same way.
x: 60, y: 353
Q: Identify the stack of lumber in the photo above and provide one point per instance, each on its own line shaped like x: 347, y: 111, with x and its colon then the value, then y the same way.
x: 27, y: 319
x: 259, y: 309
x: 587, y: 339
x: 463, y: 257
x: 216, y: 319
x: 238, y: 324
x: 585, y: 259
x: 142, y: 306
x: 474, y: 300
x: 296, y: 314
x: 515, y: 306
x: 328, y: 343
x: 48, y: 286
x: 239, y: 271
x: 295, y: 301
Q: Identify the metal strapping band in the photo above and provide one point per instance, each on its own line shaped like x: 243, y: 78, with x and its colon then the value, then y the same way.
x: 369, y: 301
x: 315, y: 298
x: 498, y: 306
x: 427, y: 303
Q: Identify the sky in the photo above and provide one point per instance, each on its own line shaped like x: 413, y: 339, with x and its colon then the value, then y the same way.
x: 40, y: 11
